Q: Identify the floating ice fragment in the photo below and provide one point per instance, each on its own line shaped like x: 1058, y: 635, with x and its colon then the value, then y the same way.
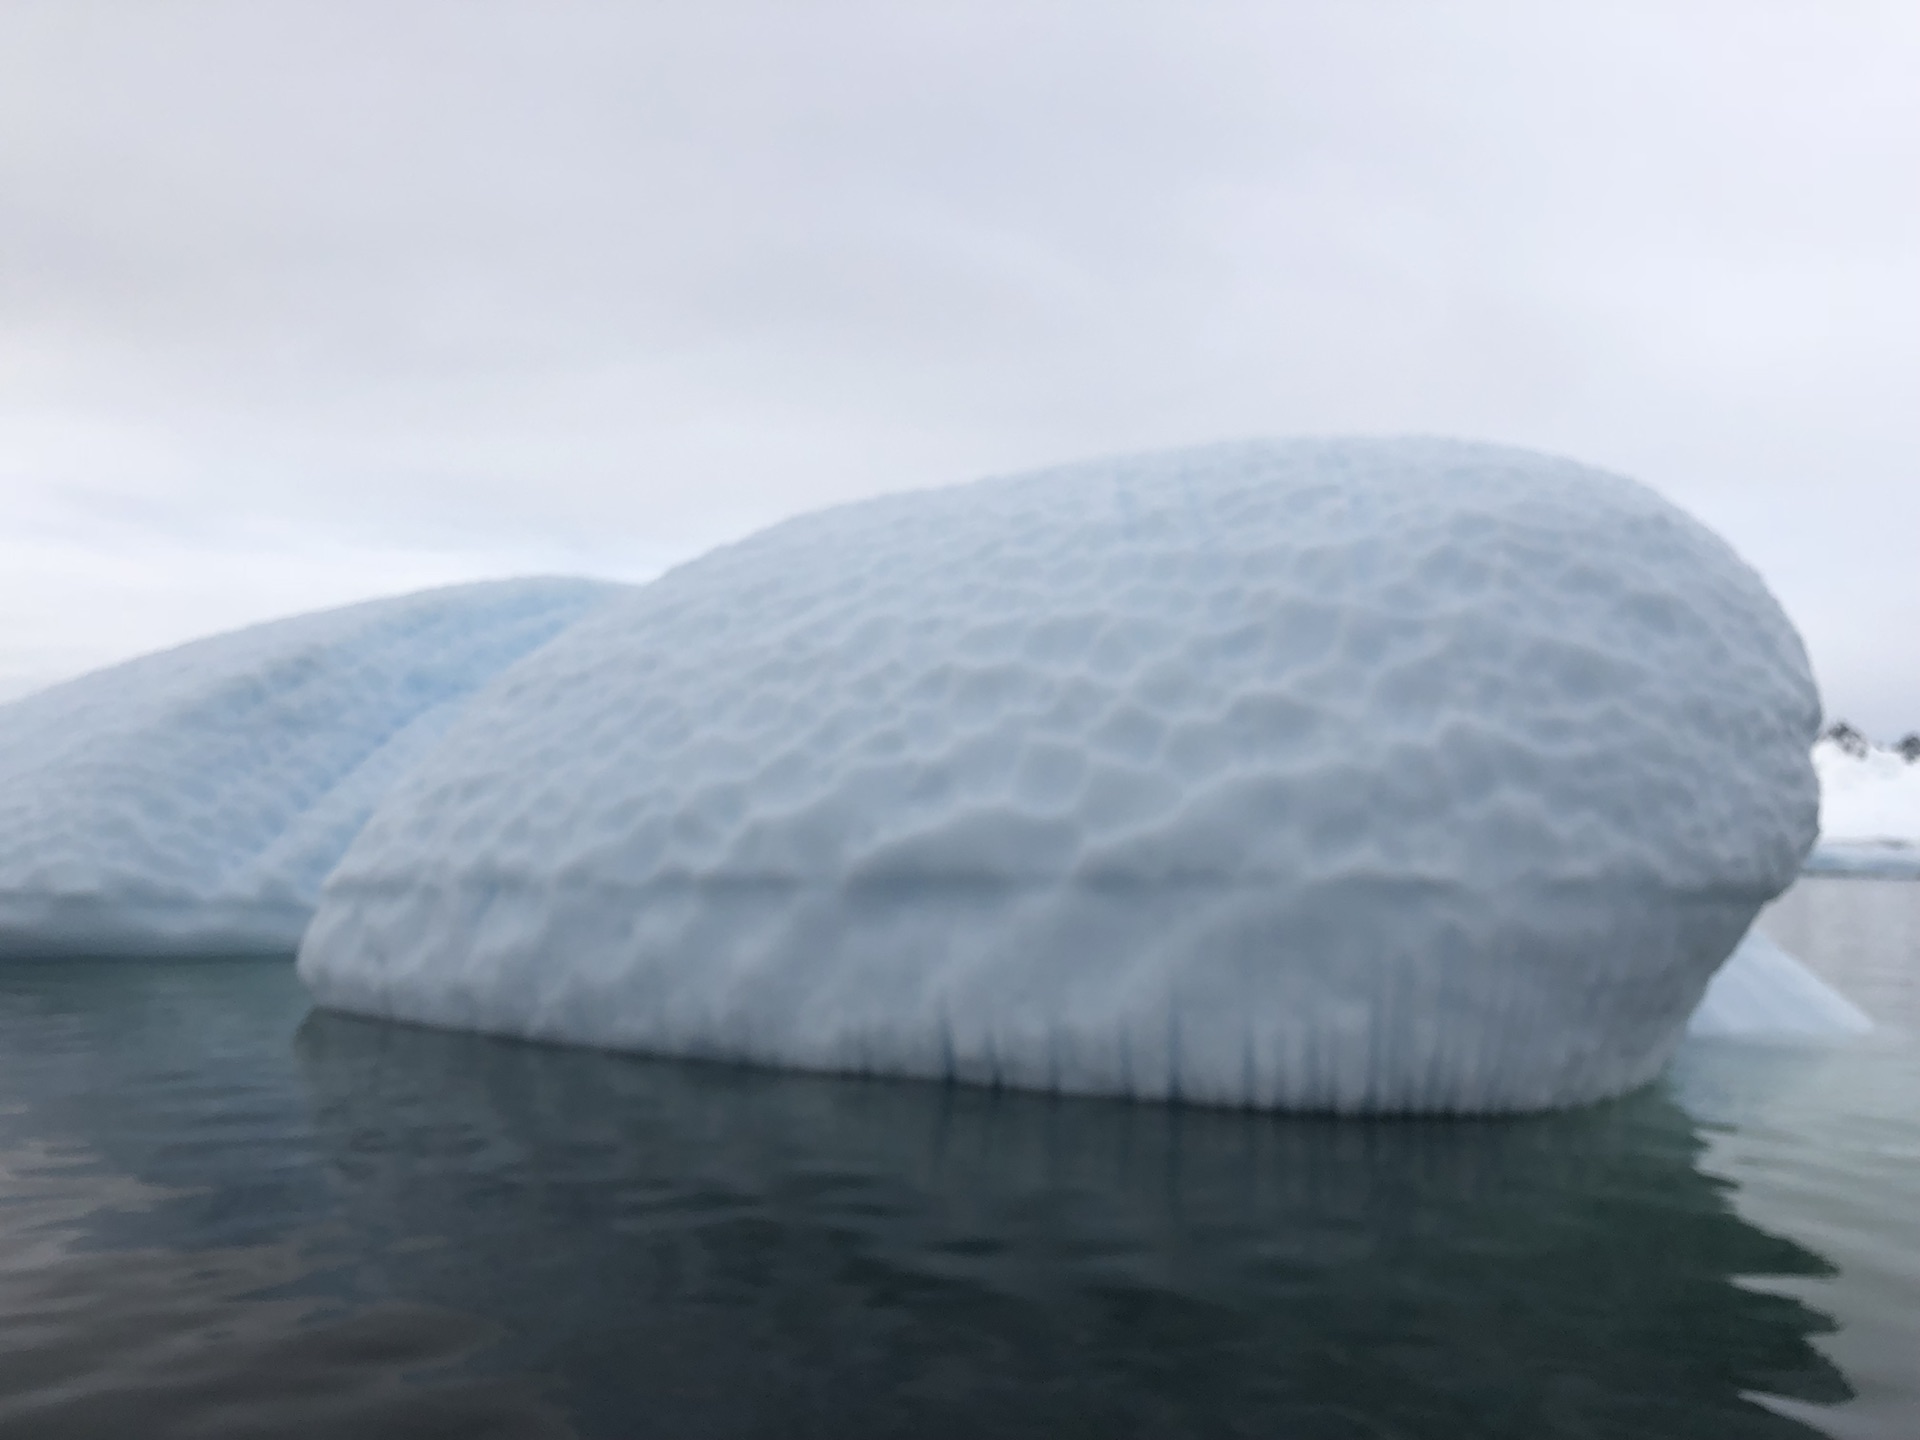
x: 1762, y: 992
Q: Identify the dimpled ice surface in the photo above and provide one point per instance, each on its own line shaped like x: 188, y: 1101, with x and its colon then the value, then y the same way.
x: 1402, y: 775
x: 191, y: 801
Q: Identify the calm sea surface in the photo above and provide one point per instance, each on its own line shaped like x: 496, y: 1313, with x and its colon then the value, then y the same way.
x: 222, y: 1214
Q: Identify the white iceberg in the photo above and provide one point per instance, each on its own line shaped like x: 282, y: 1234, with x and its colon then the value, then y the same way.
x: 1762, y: 992
x: 1340, y: 775
x: 191, y: 801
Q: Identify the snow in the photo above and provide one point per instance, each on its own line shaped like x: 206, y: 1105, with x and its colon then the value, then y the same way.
x: 1869, y: 812
x: 191, y: 802
x: 1762, y: 992
x: 1338, y: 775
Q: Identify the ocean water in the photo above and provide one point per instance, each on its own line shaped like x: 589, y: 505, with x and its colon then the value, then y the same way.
x: 222, y: 1214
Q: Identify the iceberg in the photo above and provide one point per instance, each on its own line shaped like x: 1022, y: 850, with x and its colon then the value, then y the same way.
x: 191, y: 801
x: 1335, y: 775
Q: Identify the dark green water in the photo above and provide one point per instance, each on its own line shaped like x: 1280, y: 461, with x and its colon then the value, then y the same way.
x: 221, y: 1214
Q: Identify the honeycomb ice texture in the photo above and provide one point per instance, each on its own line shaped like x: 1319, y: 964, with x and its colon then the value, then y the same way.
x: 1331, y: 775
x: 191, y: 801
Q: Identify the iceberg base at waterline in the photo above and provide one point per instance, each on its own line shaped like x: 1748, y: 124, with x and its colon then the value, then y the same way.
x: 1352, y: 1024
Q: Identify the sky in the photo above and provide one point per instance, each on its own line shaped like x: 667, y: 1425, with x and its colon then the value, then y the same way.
x: 307, y: 302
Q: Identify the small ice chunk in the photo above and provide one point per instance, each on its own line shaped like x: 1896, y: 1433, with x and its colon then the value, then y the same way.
x: 1762, y: 992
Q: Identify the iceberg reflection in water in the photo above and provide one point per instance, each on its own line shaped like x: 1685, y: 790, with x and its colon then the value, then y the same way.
x: 748, y: 1253
x: 373, y: 1229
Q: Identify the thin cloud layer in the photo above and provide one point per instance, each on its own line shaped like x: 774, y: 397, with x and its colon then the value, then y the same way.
x: 305, y: 302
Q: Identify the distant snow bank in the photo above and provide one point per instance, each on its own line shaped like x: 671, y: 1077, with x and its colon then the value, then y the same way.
x: 191, y: 801
x: 1869, y: 810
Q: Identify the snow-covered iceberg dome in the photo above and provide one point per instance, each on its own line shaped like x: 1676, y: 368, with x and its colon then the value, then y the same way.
x: 1349, y: 775
x: 192, y: 801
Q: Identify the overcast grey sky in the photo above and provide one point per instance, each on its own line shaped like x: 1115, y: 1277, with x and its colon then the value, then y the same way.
x: 302, y: 302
